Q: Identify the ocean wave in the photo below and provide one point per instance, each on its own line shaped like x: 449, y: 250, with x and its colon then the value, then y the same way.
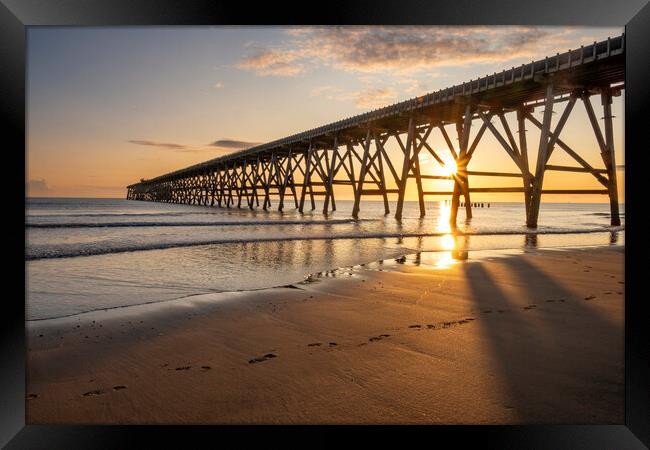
x: 102, y: 214
x: 606, y: 214
x: 65, y: 252
x: 193, y: 224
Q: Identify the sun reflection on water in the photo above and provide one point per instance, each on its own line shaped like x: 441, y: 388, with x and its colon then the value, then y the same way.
x: 453, y: 246
x: 447, y: 242
x: 442, y: 221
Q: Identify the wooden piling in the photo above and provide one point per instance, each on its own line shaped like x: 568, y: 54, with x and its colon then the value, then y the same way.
x: 536, y: 191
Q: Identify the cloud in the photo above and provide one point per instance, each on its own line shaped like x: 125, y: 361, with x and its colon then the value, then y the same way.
x: 157, y: 144
x: 403, y: 49
x: 416, y: 87
x: 181, y: 148
x: 365, y: 99
x: 37, y: 187
x: 234, y: 144
x: 218, y: 85
x: 329, y: 92
x: 374, y: 98
x: 221, y: 144
x: 272, y: 63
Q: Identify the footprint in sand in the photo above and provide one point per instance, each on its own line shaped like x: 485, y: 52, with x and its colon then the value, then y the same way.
x: 530, y: 307
x: 550, y: 301
x: 30, y: 396
x: 333, y: 344
x: 314, y: 344
x: 378, y: 338
x: 262, y: 358
x: 206, y: 367
x: 415, y: 326
x: 487, y: 311
x: 119, y: 387
x: 93, y: 393
x: 430, y: 326
x: 184, y: 368
x: 591, y: 297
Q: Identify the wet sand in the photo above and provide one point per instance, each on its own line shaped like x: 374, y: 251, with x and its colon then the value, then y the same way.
x: 530, y: 338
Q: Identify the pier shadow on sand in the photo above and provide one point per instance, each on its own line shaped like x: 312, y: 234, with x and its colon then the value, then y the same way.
x: 557, y: 357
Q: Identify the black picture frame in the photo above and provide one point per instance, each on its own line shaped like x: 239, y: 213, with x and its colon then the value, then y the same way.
x: 16, y: 15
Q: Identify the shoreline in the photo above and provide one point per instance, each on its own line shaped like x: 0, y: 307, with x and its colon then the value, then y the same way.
x: 397, y: 343
x: 482, y: 254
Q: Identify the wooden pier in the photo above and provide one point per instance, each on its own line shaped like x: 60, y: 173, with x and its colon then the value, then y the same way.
x: 352, y: 151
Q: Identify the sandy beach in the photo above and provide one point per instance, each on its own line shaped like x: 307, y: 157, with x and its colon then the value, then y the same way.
x: 535, y: 337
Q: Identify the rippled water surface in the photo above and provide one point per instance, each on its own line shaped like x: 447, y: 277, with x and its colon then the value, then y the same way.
x: 88, y: 254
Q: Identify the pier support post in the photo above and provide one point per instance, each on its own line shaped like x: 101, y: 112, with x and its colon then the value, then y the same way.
x: 230, y: 172
x: 418, y: 174
x: 465, y: 180
x: 213, y: 186
x: 609, y: 159
x: 410, y: 139
x: 307, y: 181
x: 362, y: 174
x: 461, y: 167
x: 455, y: 202
x: 606, y: 149
x: 329, y: 191
x: 222, y: 185
x: 536, y: 190
x: 523, y: 149
x: 292, y: 183
x: 380, y: 173
x: 242, y: 184
x: 460, y: 183
x: 255, y: 174
x: 350, y: 171
x: 285, y: 180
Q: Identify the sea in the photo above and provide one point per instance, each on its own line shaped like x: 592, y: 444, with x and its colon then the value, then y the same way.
x: 89, y: 254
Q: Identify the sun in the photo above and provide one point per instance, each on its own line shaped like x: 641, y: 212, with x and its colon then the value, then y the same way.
x: 450, y: 167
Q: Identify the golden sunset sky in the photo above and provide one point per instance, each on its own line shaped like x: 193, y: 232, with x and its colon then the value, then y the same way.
x: 108, y: 106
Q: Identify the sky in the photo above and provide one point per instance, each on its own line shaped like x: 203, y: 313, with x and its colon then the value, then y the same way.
x: 109, y: 106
